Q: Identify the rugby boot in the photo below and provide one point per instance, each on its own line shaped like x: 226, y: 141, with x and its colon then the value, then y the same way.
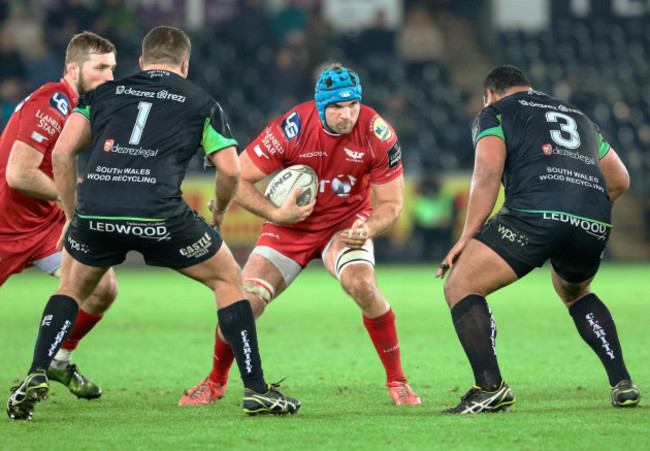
x: 75, y: 381
x: 402, y: 394
x: 33, y: 389
x: 272, y: 402
x: 625, y: 394
x: 204, y: 393
x: 477, y: 401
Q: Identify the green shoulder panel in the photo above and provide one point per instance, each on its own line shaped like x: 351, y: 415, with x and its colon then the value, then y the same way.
x: 213, y: 141
x: 85, y: 111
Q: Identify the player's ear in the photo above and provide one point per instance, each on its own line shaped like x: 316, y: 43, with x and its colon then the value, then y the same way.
x: 141, y: 62
x: 185, y: 68
x: 72, y: 69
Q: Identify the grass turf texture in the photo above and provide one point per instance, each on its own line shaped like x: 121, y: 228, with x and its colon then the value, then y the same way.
x: 157, y: 341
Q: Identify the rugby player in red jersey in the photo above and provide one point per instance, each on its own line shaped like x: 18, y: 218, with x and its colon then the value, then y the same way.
x: 30, y: 220
x: 353, y: 151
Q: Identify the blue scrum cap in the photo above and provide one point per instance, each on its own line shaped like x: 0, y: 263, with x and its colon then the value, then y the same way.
x: 336, y: 85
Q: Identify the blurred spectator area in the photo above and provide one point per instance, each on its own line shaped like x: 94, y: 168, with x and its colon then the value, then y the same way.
x: 421, y: 62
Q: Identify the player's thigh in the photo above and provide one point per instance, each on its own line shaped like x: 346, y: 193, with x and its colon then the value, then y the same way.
x: 218, y: 271
x: 478, y: 270
x: 78, y: 280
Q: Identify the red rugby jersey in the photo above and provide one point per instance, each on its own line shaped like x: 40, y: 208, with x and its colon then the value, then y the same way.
x: 37, y: 121
x: 346, y: 165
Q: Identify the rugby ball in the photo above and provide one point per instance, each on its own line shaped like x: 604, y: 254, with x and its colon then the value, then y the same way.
x: 285, y: 182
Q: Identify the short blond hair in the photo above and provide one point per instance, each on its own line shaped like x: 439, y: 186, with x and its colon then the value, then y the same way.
x: 84, y: 44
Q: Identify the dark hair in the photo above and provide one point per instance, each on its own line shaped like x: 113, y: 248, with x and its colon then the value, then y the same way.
x: 166, y: 45
x: 84, y: 44
x: 502, y: 78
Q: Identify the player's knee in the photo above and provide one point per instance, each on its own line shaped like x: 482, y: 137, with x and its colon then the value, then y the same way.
x: 259, y: 288
x: 360, y: 285
x: 108, y: 287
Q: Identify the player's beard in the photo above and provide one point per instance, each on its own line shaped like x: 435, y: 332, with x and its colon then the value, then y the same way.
x: 82, y: 85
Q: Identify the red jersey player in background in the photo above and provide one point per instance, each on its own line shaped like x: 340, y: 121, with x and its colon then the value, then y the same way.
x: 353, y: 151
x: 31, y: 222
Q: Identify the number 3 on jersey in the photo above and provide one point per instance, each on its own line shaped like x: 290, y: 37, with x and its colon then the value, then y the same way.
x: 143, y: 114
x: 568, y: 125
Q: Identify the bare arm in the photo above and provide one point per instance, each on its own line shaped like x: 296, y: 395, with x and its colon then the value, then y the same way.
x: 75, y: 137
x: 252, y: 199
x: 24, y: 173
x: 489, y: 164
x: 226, y: 181
x: 385, y: 213
x: 616, y: 176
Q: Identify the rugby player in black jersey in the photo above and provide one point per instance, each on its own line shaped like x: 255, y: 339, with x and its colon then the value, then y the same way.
x: 560, y: 178
x: 144, y: 130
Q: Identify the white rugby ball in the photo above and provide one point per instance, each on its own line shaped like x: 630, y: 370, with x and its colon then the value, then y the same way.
x: 285, y: 182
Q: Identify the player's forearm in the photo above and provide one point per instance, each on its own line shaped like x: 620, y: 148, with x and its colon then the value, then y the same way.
x: 384, y: 216
x: 33, y: 182
x: 482, y: 197
x: 226, y: 186
x: 65, y: 179
x: 251, y: 199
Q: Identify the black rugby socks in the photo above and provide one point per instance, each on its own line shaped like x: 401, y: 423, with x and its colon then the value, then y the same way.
x: 238, y: 327
x: 57, y: 322
x: 477, y: 333
x: 596, y: 327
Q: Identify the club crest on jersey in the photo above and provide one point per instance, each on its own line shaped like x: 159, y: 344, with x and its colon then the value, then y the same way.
x: 61, y: 103
x: 108, y: 144
x: 547, y: 149
x: 381, y: 129
x: 353, y: 155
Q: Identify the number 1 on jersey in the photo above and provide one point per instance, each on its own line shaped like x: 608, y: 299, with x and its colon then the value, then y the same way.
x: 143, y: 114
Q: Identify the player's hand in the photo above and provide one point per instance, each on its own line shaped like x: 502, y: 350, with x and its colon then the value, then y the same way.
x: 59, y: 244
x: 290, y: 212
x: 216, y: 220
x: 448, y: 262
x: 356, y: 236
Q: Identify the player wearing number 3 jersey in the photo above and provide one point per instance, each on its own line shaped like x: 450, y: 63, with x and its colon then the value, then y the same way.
x: 144, y: 130
x: 353, y: 151
x: 560, y: 178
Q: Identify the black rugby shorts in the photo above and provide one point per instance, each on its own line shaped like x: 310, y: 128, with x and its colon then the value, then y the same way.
x: 526, y: 240
x: 179, y: 242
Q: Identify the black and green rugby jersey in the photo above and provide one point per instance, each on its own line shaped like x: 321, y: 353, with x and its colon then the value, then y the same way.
x: 146, y: 128
x: 552, y: 158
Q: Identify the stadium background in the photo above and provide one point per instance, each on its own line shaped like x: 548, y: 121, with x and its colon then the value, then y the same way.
x: 421, y: 65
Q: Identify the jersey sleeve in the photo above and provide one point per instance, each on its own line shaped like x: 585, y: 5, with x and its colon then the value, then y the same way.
x: 603, y: 145
x: 83, y: 107
x: 216, y: 131
x: 267, y: 150
x: 42, y: 120
x: 387, y: 162
x: 487, y: 123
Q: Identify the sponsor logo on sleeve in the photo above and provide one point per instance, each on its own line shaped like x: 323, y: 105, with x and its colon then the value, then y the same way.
x: 61, y: 103
x: 49, y: 125
x: 394, y: 155
x: 271, y: 143
x: 258, y: 151
x: 381, y: 129
x: 291, y: 126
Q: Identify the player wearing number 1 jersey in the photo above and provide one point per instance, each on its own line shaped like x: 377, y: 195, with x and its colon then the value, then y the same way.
x: 560, y: 177
x: 353, y: 151
x: 144, y: 130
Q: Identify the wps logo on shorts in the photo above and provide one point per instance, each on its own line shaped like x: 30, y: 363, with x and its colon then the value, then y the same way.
x: 108, y: 144
x: 547, y: 149
x: 77, y: 246
x: 513, y: 237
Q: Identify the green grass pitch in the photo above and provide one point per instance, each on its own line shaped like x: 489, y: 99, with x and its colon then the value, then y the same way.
x: 157, y: 340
